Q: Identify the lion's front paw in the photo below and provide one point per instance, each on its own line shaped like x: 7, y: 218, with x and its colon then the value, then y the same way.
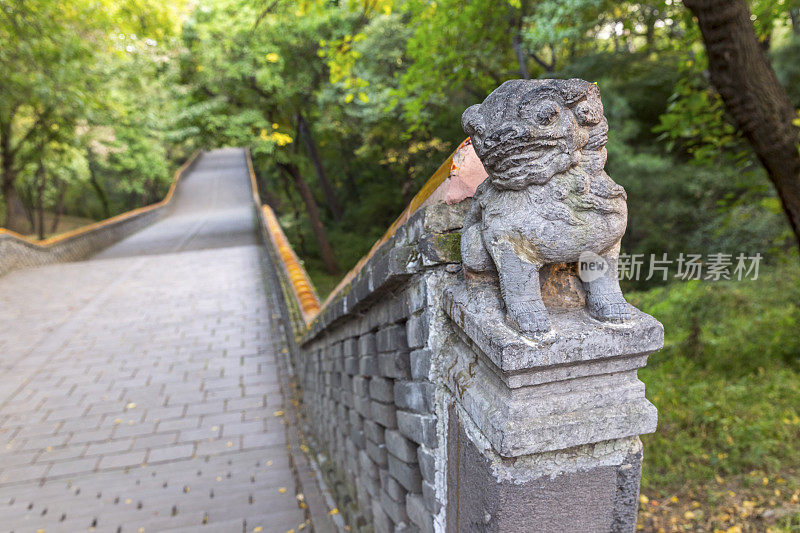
x: 609, y: 307
x: 530, y: 319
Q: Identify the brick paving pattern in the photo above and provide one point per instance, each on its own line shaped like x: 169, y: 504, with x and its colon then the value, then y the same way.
x: 140, y: 389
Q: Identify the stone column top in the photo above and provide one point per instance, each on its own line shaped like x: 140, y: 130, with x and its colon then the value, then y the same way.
x: 574, y: 337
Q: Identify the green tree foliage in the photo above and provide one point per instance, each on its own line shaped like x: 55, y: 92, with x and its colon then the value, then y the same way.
x: 77, y: 75
x: 349, y: 106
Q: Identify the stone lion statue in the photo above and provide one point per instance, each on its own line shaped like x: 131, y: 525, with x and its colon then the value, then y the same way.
x: 547, y: 198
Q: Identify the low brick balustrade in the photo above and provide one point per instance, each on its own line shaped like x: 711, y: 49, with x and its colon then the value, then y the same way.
x: 427, y: 410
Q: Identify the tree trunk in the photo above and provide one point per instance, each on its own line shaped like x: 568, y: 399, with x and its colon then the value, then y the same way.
x: 59, y: 209
x: 287, y: 189
x: 548, y: 67
x: 313, y: 214
x: 327, y: 189
x: 794, y: 15
x: 96, y: 185
x: 516, y: 44
x: 762, y: 110
x: 266, y: 194
x: 15, y: 213
x: 41, y: 184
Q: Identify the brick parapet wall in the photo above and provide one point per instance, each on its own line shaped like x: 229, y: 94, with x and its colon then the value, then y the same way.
x: 363, y: 366
x: 418, y: 421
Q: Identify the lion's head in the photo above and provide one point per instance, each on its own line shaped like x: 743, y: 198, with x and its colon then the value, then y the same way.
x: 527, y: 131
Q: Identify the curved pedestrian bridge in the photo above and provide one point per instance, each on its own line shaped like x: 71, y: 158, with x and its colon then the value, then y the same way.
x: 141, y: 389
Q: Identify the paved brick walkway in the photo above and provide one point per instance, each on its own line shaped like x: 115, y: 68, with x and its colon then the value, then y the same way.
x: 140, y: 389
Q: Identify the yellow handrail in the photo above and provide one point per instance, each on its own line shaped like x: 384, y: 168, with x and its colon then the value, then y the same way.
x: 302, y: 286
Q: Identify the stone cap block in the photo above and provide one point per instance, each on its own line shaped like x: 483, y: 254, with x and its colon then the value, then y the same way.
x: 574, y: 337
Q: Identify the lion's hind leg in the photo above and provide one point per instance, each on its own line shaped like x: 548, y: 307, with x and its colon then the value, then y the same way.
x: 603, y: 296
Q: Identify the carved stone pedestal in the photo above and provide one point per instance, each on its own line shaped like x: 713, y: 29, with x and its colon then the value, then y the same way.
x: 543, y: 435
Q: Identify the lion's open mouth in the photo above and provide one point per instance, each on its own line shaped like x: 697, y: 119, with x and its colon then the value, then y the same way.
x: 597, y: 141
x: 522, y: 163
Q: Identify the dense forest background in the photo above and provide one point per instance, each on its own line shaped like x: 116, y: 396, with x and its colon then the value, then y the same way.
x: 348, y: 107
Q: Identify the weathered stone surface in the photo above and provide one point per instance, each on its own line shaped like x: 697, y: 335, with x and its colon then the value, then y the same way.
x: 437, y: 248
x: 368, y: 466
x: 418, y: 428
x: 429, y: 496
x: 547, y: 199
x: 401, y: 447
x: 562, y: 496
x: 380, y: 520
x: 368, y: 366
x: 414, y: 396
x: 377, y: 452
x: 574, y: 337
x: 367, y: 345
x: 541, y: 380
x: 361, y: 386
x: 417, y: 330
x: 407, y: 474
x: 392, y: 338
x: 350, y: 347
x: 420, y: 364
x: 395, y: 365
x: 374, y: 431
x: 427, y: 464
x: 626, y: 503
x: 564, y: 399
x: 418, y: 513
x: 363, y: 406
x: 384, y: 414
x: 396, y: 510
x: 381, y: 389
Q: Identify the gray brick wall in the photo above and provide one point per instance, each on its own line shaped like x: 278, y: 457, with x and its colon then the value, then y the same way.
x: 363, y: 371
x: 420, y: 421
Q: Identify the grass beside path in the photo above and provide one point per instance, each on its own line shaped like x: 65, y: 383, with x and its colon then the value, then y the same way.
x: 726, y: 456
